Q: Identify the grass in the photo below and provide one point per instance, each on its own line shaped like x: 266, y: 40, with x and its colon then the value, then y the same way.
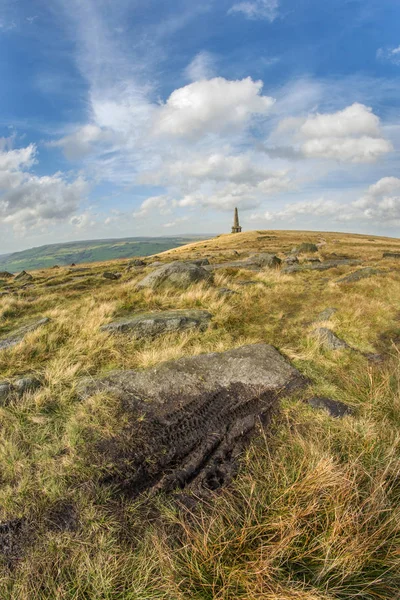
x: 315, y: 511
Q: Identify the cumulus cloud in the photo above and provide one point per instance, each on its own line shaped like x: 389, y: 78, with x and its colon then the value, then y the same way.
x: 381, y: 202
x: 389, y: 54
x: 350, y: 135
x: 158, y: 203
x: 257, y: 9
x: 27, y: 200
x: 214, y: 106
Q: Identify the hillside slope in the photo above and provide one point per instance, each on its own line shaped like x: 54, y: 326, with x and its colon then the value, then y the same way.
x: 314, y: 511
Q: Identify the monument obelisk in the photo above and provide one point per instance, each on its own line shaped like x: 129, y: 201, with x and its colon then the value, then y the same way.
x: 236, y: 227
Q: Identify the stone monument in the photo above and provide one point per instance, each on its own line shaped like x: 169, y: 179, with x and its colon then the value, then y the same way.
x: 236, y: 227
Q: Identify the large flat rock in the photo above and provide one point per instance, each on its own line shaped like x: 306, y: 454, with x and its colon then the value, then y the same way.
x: 190, y: 419
x: 152, y: 324
x: 179, y: 274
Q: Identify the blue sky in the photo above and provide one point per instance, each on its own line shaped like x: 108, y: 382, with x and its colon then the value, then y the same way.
x: 128, y: 118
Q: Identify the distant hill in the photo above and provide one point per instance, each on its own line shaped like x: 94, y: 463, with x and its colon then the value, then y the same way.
x: 90, y: 251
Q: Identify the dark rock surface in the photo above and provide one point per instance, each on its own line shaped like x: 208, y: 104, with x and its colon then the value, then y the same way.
x: 112, y: 276
x: 265, y: 260
x: 23, y: 276
x: 391, y: 255
x: 15, y: 337
x: 6, y: 275
x: 189, y: 420
x: 179, y: 274
x: 144, y: 325
x: 328, y: 339
x: 137, y: 262
x: 334, y: 407
x: 360, y: 274
x: 17, y: 388
x: 307, y: 247
x: 324, y: 266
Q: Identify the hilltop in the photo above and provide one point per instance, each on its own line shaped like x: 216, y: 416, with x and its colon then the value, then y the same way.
x: 219, y: 420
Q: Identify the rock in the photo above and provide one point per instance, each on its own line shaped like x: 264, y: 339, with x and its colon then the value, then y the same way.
x: 226, y: 292
x: 113, y: 276
x: 55, y: 267
x: 158, y: 263
x: 152, y: 324
x: 23, y: 276
x: 189, y: 420
x: 265, y: 260
x: 329, y: 340
x: 291, y: 260
x: 6, y: 275
x: 200, y: 262
x: 15, y: 337
x: 17, y: 388
x: 326, y: 314
x: 333, y: 264
x: 391, y: 255
x: 307, y: 247
x: 334, y: 407
x: 73, y: 265
x: 312, y: 259
x: 137, y: 262
x: 292, y: 269
x: 179, y: 274
x: 6, y: 390
x: 360, y: 274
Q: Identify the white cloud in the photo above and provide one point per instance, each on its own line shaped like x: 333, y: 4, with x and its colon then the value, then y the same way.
x: 83, y: 220
x: 27, y: 200
x: 213, y: 106
x: 176, y: 222
x: 389, y: 54
x: 351, y: 135
x: 257, y: 9
x: 154, y: 203
x: 201, y: 67
x: 84, y: 141
x: 381, y: 202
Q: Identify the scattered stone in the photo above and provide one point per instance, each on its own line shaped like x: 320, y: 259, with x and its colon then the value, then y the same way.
x: 332, y: 264
x: 291, y: 260
x: 360, y: 274
x: 189, y: 420
x: 16, y: 336
x: 226, y: 292
x: 329, y: 340
x: 391, y: 255
x: 179, y: 274
x: 307, y: 247
x: 265, y: 260
x: 113, y: 276
x: 17, y: 388
x: 326, y: 314
x: 137, y: 262
x: 334, y: 407
x: 6, y: 275
x: 23, y: 276
x: 147, y: 325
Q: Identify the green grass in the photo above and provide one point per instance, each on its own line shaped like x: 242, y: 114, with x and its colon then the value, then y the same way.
x: 315, y: 511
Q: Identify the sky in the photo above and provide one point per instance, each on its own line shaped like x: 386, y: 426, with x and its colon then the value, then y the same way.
x: 144, y: 118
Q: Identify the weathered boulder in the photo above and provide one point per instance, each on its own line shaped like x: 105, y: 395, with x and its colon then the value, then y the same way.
x: 188, y: 420
x: 23, y: 276
x: 329, y: 340
x: 152, y: 324
x: 6, y: 275
x: 326, y: 314
x: 360, y: 274
x: 179, y: 274
x: 334, y: 407
x: 265, y: 260
x: 112, y: 276
x: 15, y: 337
x: 291, y: 260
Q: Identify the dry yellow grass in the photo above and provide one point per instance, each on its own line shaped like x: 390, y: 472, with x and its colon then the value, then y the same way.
x: 315, y: 511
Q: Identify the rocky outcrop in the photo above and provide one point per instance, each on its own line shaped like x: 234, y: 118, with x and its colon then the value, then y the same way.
x: 17, y: 388
x: 324, y: 266
x: 23, y: 276
x: 149, y: 325
x: 307, y: 247
x: 181, y: 275
x: 326, y: 314
x: 112, y: 276
x: 360, y: 274
x: 265, y: 260
x: 15, y: 337
x: 329, y: 340
x: 188, y: 420
x: 6, y: 275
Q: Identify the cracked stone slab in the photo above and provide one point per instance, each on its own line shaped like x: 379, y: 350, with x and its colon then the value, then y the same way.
x: 15, y: 337
x: 189, y: 420
x: 145, y: 325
